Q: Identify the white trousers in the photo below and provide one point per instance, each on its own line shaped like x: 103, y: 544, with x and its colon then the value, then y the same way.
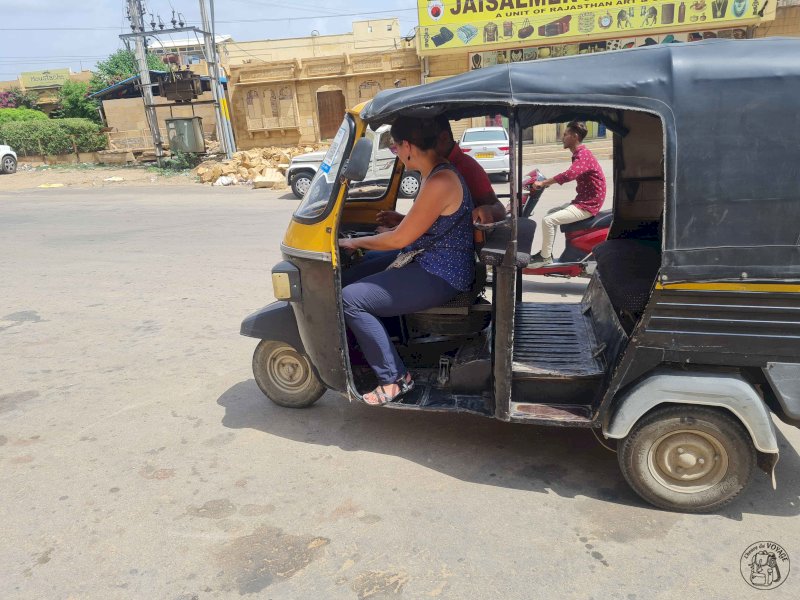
x: 561, y: 215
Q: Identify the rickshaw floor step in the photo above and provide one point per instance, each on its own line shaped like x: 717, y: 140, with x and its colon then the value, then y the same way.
x: 552, y: 414
x: 553, y: 341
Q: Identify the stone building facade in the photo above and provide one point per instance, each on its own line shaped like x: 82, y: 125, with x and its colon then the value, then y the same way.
x: 303, y: 100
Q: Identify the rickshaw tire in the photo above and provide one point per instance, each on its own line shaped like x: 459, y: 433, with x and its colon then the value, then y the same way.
x: 285, y: 375
x: 643, y: 461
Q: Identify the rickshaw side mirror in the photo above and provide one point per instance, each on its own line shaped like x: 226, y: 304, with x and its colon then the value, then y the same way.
x: 358, y: 163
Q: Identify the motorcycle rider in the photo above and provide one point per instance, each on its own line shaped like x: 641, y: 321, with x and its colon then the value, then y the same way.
x: 591, y: 192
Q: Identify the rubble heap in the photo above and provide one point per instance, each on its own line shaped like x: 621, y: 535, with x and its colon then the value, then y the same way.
x: 263, y: 167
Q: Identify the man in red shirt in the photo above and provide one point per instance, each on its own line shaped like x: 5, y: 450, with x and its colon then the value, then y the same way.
x: 488, y: 208
x: 591, y: 191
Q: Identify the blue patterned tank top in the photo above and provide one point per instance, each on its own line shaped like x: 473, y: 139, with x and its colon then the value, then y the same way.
x: 448, y: 245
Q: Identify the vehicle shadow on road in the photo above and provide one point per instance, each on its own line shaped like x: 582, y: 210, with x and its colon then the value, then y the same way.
x: 564, y: 461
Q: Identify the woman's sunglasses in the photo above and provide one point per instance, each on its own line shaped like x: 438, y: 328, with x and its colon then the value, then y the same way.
x: 394, y: 147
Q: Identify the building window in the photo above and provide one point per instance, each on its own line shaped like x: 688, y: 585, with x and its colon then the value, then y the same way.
x: 368, y: 89
x: 271, y: 108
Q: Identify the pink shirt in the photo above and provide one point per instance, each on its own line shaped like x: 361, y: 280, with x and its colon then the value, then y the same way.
x: 591, y: 181
x: 480, y: 188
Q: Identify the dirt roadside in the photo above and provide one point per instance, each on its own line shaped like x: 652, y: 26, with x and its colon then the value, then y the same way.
x: 91, y: 176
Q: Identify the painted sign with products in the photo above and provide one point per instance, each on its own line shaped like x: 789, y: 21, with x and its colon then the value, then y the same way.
x: 456, y: 24
x: 489, y: 58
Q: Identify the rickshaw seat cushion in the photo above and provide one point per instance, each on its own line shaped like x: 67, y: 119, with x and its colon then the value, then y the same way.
x: 601, y: 219
x: 494, y: 249
x: 462, y: 302
x: 628, y: 269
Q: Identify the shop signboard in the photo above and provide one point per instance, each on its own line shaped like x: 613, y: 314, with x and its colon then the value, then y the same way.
x: 489, y: 58
x: 451, y: 25
x: 38, y: 79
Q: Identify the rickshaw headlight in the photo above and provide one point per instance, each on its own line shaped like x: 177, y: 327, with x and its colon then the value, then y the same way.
x: 286, y: 281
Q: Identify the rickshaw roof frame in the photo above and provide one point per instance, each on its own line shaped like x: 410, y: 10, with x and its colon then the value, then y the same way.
x: 722, y: 103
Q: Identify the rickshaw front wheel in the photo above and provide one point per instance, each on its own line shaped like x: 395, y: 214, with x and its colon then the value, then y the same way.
x: 285, y: 376
x: 688, y: 458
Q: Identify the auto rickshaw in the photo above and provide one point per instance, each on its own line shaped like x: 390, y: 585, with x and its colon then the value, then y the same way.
x: 687, y: 338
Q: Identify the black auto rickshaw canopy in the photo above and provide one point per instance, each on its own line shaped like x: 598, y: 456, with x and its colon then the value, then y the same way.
x: 730, y: 112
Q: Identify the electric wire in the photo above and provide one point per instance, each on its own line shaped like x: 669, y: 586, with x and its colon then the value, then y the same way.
x: 264, y: 20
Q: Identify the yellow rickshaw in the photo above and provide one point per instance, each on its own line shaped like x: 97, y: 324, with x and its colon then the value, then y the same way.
x: 687, y: 338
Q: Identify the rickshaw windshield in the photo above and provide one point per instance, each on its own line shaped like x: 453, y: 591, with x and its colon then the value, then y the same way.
x: 325, y: 184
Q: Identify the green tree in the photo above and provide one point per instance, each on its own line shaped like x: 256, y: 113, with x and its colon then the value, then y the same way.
x: 73, y: 102
x: 120, y: 66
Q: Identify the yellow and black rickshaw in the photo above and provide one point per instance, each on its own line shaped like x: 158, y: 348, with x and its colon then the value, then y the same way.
x: 687, y: 338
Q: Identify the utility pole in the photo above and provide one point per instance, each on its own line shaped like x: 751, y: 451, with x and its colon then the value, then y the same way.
x: 139, y: 35
x: 224, y: 129
x: 136, y: 12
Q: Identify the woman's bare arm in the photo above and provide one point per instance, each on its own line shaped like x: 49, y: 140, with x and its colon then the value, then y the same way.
x: 441, y: 194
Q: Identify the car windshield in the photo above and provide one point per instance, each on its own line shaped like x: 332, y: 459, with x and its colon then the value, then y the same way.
x: 491, y: 135
x: 320, y: 193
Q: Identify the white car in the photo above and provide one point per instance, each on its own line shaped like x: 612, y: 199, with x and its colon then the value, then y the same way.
x: 489, y: 146
x: 302, y: 169
x: 8, y: 160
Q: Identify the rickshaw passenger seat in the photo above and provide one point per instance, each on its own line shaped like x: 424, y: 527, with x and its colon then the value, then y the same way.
x: 628, y: 268
x: 494, y: 248
x: 461, y: 304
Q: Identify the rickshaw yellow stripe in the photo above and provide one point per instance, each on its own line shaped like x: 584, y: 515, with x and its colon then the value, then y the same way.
x: 731, y: 287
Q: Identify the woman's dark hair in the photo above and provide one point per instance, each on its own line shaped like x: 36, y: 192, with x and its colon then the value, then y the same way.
x: 578, y: 128
x: 420, y: 132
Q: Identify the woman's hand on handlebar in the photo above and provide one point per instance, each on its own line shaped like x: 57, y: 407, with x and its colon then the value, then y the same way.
x: 350, y: 245
x: 389, y: 218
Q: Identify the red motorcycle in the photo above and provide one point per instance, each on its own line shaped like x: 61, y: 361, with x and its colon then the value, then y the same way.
x: 582, y: 236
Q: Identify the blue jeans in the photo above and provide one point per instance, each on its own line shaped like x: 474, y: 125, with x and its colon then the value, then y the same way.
x: 389, y: 294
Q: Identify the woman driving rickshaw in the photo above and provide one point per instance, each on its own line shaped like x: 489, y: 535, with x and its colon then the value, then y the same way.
x: 687, y: 338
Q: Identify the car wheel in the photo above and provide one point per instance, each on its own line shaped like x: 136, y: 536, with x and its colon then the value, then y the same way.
x: 8, y: 165
x: 285, y: 376
x: 301, y: 182
x: 409, y: 185
x: 688, y: 458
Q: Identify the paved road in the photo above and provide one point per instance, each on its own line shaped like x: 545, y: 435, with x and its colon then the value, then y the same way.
x: 139, y: 460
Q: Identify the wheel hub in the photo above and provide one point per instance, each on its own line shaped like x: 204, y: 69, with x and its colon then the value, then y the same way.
x: 289, y: 370
x: 409, y: 185
x: 688, y: 461
x: 302, y: 184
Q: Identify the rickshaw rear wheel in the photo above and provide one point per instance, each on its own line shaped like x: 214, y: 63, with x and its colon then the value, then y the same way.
x: 285, y: 375
x: 688, y: 458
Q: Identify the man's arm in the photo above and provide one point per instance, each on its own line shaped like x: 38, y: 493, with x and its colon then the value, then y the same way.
x: 496, y: 211
x: 578, y: 168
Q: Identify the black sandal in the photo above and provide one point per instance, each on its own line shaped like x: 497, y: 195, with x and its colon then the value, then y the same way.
x: 405, y: 383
